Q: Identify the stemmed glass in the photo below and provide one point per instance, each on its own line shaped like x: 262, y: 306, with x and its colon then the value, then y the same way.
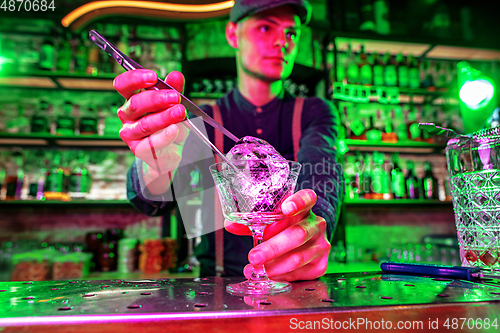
x: 252, y: 194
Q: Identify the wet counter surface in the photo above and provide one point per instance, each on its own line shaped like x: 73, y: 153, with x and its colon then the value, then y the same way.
x: 203, y: 304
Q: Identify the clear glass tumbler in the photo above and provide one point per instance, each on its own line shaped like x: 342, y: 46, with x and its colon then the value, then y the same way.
x: 473, y: 166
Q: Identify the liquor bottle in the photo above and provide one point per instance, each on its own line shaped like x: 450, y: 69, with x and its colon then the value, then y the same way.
x: 14, y: 176
x: 365, y: 68
x: 357, y: 177
x: 64, y: 55
x: 123, y: 46
x: 414, y: 132
x: 55, y: 177
x: 412, y: 182
x: 430, y: 184
x: 352, y: 71
x: 47, y: 54
x: 112, y: 123
x: 390, y: 71
x: 89, y: 121
x: 373, y: 133
x: 426, y: 117
x: 79, y: 179
x: 398, y: 186
x: 366, y: 178
x: 389, y: 134
x: 65, y: 122
x: 403, y: 74
x: 93, y: 61
x: 38, y: 174
x: 40, y: 121
x: 413, y: 73
x: 81, y: 55
x: 378, y: 70
x: 428, y: 77
x: 400, y: 124
x: 380, y: 177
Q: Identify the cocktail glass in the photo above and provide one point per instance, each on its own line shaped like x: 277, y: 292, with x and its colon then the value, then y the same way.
x: 252, y: 195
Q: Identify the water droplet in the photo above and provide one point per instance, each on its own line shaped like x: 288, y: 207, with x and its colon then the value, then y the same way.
x: 200, y: 305
x: 66, y: 308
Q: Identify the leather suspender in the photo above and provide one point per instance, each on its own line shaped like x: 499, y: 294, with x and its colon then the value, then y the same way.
x: 219, y: 143
x: 219, y: 217
x: 297, y: 126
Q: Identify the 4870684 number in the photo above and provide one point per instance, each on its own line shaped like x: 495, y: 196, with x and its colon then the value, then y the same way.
x: 27, y: 5
x: 470, y: 323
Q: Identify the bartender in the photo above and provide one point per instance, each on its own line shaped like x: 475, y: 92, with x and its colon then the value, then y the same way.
x: 264, y: 35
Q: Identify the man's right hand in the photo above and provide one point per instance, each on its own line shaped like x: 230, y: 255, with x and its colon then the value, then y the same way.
x: 150, y: 121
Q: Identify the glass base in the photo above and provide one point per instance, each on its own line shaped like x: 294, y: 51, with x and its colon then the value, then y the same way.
x: 258, y: 288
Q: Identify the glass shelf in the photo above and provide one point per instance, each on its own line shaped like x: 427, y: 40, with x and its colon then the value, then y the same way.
x: 78, y: 202
x: 57, y: 80
x: 414, y: 147
x: 42, y: 139
x: 395, y: 202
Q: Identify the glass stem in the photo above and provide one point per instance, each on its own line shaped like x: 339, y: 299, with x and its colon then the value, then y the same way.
x: 259, y: 272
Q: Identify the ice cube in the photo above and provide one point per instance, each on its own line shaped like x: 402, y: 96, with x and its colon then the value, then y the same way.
x: 261, y: 185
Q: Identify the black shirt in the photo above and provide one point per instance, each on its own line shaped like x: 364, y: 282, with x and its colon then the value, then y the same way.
x: 318, y: 155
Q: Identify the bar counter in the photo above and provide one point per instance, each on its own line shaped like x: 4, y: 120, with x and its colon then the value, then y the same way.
x: 361, y: 301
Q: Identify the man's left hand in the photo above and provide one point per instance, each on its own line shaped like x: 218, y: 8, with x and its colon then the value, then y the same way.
x: 294, y: 249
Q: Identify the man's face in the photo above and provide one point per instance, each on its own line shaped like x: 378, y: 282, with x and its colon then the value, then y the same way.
x: 267, y: 43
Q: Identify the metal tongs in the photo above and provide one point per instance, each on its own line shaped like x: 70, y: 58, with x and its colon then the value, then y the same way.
x: 129, y: 64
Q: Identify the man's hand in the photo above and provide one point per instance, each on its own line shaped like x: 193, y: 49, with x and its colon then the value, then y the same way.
x: 150, y: 120
x: 295, y: 248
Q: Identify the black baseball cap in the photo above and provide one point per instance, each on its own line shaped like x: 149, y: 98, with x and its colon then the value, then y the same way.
x: 244, y: 8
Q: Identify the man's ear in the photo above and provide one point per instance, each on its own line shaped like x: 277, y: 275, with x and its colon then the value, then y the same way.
x: 231, y: 36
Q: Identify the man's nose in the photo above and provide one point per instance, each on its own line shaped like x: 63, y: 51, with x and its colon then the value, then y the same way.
x: 281, y: 40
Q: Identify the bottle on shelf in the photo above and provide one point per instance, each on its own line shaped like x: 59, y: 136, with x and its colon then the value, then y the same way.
x: 366, y: 178
x: 389, y: 133
x: 426, y: 117
x: 81, y: 55
x: 47, y: 54
x: 123, y: 46
x: 14, y: 176
x: 55, y: 177
x: 373, y: 133
x: 357, y: 176
x: 413, y: 72
x: 429, y: 182
x: 403, y: 74
x: 352, y: 68
x: 380, y: 177
x: 40, y: 122
x: 37, y: 176
x: 398, y: 185
x: 65, y: 122
x: 414, y: 132
x: 64, y: 55
x: 365, y: 68
x: 412, y: 182
x: 400, y: 123
x: 79, y: 179
x: 112, y: 123
x: 89, y: 121
x: 390, y: 71
x: 378, y: 70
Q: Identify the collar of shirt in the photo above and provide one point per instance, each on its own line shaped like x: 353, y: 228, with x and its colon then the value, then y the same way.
x: 244, y: 105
